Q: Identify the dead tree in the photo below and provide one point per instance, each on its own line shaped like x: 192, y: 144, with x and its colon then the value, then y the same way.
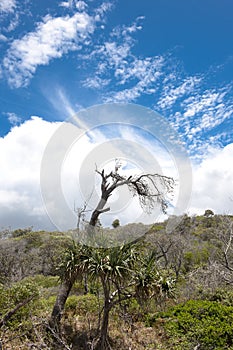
x: 151, y: 189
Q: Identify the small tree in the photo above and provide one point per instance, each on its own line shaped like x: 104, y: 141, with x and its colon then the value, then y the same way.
x: 69, y: 270
x: 116, y: 223
x: 208, y: 213
x: 124, y: 272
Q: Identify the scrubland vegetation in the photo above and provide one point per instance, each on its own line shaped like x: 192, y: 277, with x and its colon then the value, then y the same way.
x: 170, y: 290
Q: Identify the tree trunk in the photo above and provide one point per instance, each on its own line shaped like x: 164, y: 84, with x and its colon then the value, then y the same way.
x: 59, y: 305
x: 103, y: 340
x: 98, y: 210
x: 85, y: 280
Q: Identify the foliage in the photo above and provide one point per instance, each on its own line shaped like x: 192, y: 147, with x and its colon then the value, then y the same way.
x: 150, y: 282
x: 201, y: 323
x: 14, y: 295
x: 208, y: 213
x: 82, y: 304
x: 116, y: 223
x: 225, y: 296
x: 31, y: 254
x: 21, y: 232
x: 133, y: 282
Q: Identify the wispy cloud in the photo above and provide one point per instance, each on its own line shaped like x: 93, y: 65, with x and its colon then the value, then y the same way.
x: 61, y: 102
x: 211, y: 106
x: 201, y: 112
x: 66, y: 4
x: 146, y: 73
x: 7, y: 5
x: 101, y: 11
x: 118, y: 74
x: 3, y: 37
x: 52, y: 38
x: 171, y: 93
x: 112, y: 68
x: 116, y: 64
x: 13, y: 118
x: 79, y: 5
x: 95, y: 82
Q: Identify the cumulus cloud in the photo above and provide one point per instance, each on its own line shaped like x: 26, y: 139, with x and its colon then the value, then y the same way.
x: 213, y: 182
x: 52, y: 38
x: 21, y: 151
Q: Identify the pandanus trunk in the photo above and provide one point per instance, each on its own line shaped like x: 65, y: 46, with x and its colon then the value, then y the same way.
x: 59, y: 305
x: 103, y: 340
x: 103, y: 343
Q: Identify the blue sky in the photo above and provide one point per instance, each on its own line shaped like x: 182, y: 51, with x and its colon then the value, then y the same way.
x: 173, y: 56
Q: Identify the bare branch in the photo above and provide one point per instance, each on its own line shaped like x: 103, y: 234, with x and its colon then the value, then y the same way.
x: 151, y: 189
x: 10, y: 313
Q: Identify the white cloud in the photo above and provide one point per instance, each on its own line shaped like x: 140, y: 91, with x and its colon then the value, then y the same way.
x: 13, y: 118
x: 103, y: 9
x: 114, y: 60
x: 95, y: 82
x: 66, y: 4
x: 196, y: 112
x: 81, y: 5
x: 213, y: 182
x: 14, y: 22
x: 196, y: 104
x: 171, y: 93
x: 3, y: 37
x: 115, y: 63
x: 7, y: 5
x: 147, y: 73
x: 21, y: 152
x: 60, y: 101
x: 211, y: 108
x: 53, y: 38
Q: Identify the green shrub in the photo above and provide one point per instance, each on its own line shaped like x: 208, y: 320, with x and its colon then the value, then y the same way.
x: 202, y: 323
x: 82, y: 304
x: 45, y: 281
x: 14, y: 295
x: 222, y: 295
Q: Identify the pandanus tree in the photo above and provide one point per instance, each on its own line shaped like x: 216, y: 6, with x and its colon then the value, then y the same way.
x: 69, y: 271
x: 151, y: 189
x: 113, y: 268
x: 125, y: 272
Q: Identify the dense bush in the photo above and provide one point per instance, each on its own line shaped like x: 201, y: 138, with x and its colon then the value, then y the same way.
x: 82, y: 304
x: 11, y: 297
x: 208, y: 325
